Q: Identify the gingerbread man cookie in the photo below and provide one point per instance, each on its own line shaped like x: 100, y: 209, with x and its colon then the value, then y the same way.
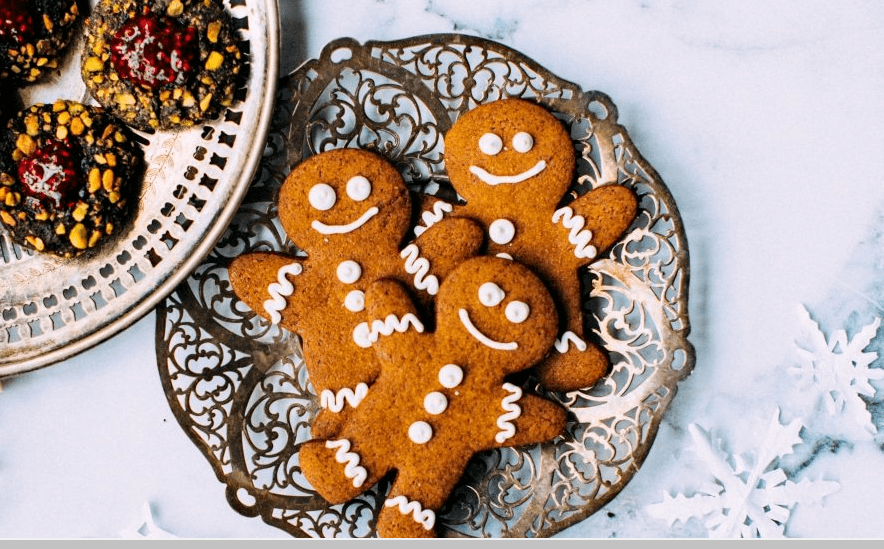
x: 512, y: 162
x: 441, y: 397
x: 349, y: 210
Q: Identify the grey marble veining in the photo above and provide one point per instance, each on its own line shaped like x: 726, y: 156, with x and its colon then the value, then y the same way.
x: 766, y: 121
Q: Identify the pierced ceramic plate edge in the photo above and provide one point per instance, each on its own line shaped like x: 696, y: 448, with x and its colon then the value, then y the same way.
x: 207, y: 241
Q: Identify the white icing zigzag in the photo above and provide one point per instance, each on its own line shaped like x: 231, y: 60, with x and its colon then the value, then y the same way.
x: 511, y: 412
x: 431, y: 218
x: 364, y: 335
x: 419, y: 267
x: 578, y: 236
x: 562, y: 342
x: 280, y: 290
x: 425, y: 517
x: 350, y: 460
x: 335, y: 402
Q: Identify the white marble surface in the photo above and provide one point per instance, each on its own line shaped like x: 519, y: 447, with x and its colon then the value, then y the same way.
x: 766, y: 121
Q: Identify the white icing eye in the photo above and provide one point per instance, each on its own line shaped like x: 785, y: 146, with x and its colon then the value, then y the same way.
x: 502, y: 231
x: 355, y: 301
x: 420, y: 432
x: 517, y: 312
x: 450, y: 376
x: 490, y: 294
x: 435, y: 403
x: 490, y: 144
x: 349, y: 272
x: 523, y: 142
x: 358, y: 188
x: 322, y: 197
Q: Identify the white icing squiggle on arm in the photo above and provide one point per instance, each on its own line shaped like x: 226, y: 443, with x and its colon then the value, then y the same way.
x: 562, y: 342
x: 364, y: 335
x: 511, y: 412
x: 578, y: 236
x: 419, y: 267
x: 335, y: 401
x: 280, y: 290
x: 431, y: 218
x: 423, y: 516
x: 485, y: 340
x: 352, y: 469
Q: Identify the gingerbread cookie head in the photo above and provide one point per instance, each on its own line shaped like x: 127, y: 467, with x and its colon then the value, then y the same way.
x: 497, y: 313
x: 344, y: 198
x: 506, y: 151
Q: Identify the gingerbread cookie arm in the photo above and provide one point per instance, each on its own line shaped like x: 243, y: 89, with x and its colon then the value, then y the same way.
x: 595, y: 221
x: 393, y: 322
x: 432, y: 210
x: 441, y: 248
x: 268, y: 283
x: 526, y: 419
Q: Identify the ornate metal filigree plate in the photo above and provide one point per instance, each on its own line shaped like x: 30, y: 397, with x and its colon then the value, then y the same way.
x: 52, y: 308
x: 237, y: 384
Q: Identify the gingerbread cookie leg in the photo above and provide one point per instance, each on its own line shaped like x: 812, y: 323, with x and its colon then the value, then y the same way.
x: 338, y: 470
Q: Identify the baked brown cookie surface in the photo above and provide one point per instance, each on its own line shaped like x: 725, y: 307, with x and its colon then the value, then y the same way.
x: 69, y: 177
x: 513, y: 162
x: 440, y: 397
x: 349, y: 211
x: 161, y: 64
x: 33, y: 34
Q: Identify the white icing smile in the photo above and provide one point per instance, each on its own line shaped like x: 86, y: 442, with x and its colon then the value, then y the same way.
x: 493, y: 179
x: 485, y: 340
x: 321, y: 227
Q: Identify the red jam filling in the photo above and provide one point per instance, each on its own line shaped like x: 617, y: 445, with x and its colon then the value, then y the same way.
x: 16, y: 21
x: 153, y: 51
x: 51, y: 174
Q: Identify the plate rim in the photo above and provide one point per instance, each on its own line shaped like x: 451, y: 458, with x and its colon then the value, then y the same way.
x: 142, y: 308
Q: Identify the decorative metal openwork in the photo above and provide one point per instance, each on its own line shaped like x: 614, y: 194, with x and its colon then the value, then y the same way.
x: 237, y: 384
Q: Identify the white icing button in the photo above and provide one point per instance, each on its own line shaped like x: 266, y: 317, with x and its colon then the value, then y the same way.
x: 435, y: 403
x: 523, y: 142
x: 349, y: 272
x: 358, y: 188
x: 502, y: 231
x: 420, y: 432
x: 450, y: 376
x: 490, y: 144
x: 355, y: 301
x: 490, y: 294
x: 322, y: 197
x: 517, y: 312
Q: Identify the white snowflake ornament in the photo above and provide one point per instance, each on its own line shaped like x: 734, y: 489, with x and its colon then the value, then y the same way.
x: 838, y: 370
x: 749, y: 497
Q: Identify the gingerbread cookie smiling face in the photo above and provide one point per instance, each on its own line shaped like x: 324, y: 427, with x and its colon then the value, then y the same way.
x: 331, y: 204
x: 513, y: 147
x: 494, y: 318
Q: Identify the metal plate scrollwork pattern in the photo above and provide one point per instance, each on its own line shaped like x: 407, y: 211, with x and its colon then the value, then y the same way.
x: 237, y: 384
